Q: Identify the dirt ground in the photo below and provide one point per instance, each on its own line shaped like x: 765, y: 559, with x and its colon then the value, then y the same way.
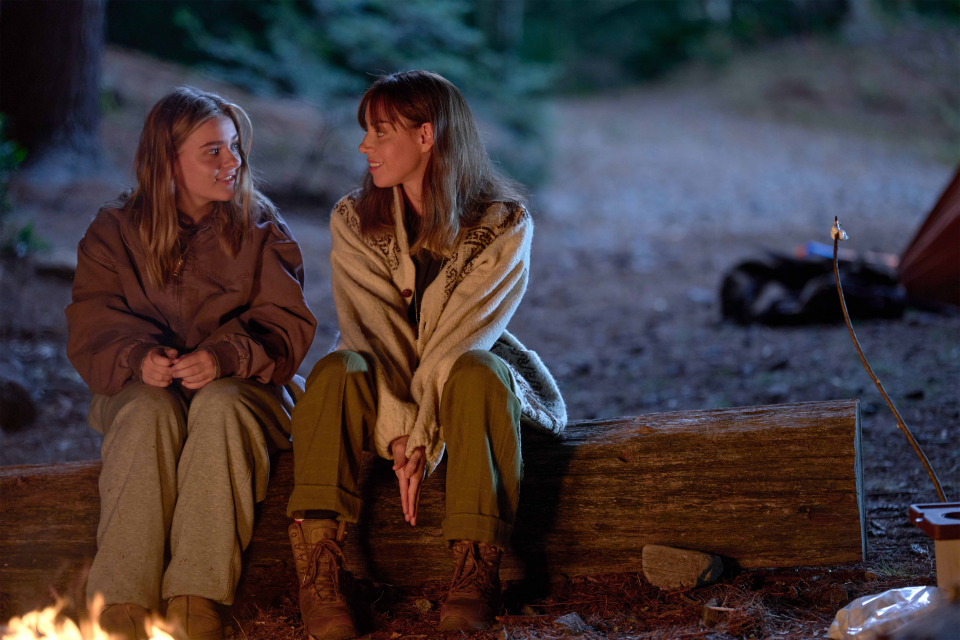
x: 655, y: 192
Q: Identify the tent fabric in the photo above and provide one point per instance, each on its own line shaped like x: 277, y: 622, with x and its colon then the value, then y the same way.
x: 930, y: 265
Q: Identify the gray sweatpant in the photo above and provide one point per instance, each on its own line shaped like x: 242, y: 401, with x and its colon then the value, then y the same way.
x: 184, y: 470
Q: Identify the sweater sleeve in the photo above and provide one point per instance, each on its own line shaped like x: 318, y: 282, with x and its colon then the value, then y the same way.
x: 106, y: 340
x: 475, y: 316
x: 373, y: 322
x: 272, y: 336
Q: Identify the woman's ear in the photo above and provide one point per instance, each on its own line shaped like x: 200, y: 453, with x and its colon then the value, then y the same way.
x: 426, y: 136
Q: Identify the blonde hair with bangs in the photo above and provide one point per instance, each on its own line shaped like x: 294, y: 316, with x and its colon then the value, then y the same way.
x: 153, y: 202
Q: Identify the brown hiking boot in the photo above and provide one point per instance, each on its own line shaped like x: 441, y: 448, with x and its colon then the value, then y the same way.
x: 194, y: 618
x: 316, y: 550
x: 474, y: 597
x: 127, y: 621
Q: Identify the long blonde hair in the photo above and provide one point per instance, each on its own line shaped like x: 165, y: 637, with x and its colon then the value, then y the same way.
x: 459, y: 182
x: 153, y: 203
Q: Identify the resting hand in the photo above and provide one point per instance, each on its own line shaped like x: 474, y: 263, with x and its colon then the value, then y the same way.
x: 157, y: 367
x: 196, y: 369
x: 410, y: 474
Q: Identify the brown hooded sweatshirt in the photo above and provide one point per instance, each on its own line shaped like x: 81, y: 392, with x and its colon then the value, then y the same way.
x: 248, y: 310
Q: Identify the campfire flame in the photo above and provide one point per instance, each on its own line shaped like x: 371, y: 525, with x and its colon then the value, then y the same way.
x: 48, y: 624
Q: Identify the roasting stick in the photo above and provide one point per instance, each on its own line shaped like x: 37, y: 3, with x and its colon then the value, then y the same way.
x: 839, y: 234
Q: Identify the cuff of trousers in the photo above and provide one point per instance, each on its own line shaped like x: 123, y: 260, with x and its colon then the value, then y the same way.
x: 473, y: 526
x: 322, y: 497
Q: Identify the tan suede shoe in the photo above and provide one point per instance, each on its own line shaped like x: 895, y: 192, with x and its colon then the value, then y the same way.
x: 194, y: 618
x: 126, y: 621
x: 474, y: 597
x: 319, y: 560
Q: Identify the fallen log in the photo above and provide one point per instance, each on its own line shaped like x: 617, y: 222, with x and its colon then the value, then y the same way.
x: 769, y: 486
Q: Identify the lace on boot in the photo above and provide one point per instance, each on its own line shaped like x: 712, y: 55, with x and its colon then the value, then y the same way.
x: 474, y: 596
x: 325, y: 582
x: 477, y: 566
x: 319, y: 560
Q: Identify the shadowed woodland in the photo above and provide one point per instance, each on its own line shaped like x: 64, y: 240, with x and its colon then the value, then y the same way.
x: 662, y: 144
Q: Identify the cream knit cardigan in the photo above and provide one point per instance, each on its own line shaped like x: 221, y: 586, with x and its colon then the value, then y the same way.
x: 467, y: 307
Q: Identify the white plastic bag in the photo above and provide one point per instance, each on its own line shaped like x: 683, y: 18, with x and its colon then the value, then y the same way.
x: 867, y: 617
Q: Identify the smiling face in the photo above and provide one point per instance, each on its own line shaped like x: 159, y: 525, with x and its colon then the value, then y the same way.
x: 206, y: 167
x: 397, y: 155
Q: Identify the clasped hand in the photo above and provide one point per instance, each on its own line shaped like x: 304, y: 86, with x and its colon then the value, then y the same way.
x: 410, y: 474
x: 194, y: 370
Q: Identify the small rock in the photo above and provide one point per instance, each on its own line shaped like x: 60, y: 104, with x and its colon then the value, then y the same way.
x: 572, y: 624
x: 61, y: 264
x: 17, y: 409
x: 779, y: 365
x: 710, y: 616
x: 671, y: 569
x: 423, y: 605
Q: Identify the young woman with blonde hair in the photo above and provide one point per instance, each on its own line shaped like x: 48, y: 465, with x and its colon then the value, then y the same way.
x: 187, y: 319
x: 430, y: 259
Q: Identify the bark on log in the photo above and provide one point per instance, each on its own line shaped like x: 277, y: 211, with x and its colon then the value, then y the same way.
x: 766, y: 486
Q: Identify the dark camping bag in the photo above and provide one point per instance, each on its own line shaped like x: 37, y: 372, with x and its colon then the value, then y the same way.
x: 781, y: 290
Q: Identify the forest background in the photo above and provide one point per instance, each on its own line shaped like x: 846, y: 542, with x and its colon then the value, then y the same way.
x: 662, y: 142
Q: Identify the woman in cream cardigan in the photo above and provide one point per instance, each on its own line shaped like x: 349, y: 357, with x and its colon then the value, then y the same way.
x: 430, y: 259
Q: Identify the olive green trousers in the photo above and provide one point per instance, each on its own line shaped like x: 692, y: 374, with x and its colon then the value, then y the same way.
x: 333, y: 424
x: 180, y: 477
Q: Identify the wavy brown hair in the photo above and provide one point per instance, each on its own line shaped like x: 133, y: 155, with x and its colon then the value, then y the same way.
x: 459, y: 182
x: 153, y: 202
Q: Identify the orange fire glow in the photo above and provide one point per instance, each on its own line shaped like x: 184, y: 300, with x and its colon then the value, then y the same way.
x: 48, y: 624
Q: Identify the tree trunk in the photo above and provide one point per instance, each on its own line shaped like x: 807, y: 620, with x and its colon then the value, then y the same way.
x: 502, y: 22
x: 862, y: 23
x: 50, y: 74
x: 762, y: 486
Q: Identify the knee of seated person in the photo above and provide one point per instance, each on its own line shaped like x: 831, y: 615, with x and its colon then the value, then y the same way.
x: 476, y: 367
x: 338, y: 364
x: 218, y: 395
x: 148, y: 404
